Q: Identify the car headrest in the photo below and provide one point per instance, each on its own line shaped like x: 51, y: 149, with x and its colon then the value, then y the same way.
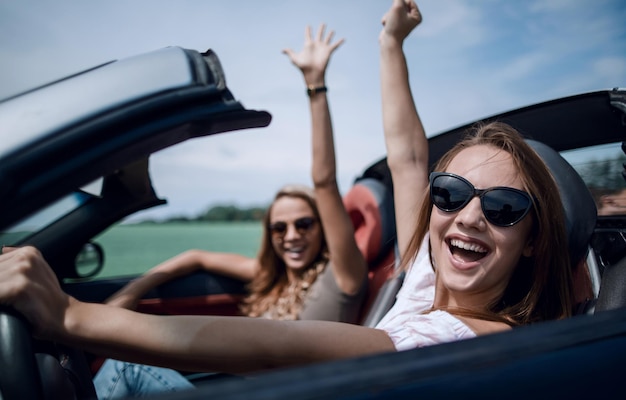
x: 578, y: 204
x: 370, y: 206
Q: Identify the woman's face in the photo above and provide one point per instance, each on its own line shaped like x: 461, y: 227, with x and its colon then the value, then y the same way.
x: 295, y: 232
x: 474, y: 258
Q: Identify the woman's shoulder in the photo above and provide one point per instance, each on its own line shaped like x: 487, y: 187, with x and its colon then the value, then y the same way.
x: 483, y: 327
x: 425, y: 329
x: 325, y: 300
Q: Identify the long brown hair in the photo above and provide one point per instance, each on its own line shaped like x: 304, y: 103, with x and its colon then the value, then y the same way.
x: 541, y: 286
x: 270, y: 292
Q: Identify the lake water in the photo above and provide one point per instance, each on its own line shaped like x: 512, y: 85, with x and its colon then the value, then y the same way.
x: 133, y: 249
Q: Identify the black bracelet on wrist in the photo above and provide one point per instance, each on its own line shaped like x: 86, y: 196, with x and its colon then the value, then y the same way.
x: 311, y: 90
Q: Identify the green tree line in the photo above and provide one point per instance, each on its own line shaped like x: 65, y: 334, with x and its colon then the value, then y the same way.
x: 222, y: 213
x: 232, y: 213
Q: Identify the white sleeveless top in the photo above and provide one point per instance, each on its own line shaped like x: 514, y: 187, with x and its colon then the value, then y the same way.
x: 406, y: 324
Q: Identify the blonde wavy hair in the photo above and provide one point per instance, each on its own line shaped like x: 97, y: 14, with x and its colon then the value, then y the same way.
x: 271, y: 295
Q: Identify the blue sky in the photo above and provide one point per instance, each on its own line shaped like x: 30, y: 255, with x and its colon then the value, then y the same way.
x: 468, y: 59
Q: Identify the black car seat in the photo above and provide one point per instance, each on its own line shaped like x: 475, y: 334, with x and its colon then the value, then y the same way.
x: 580, y: 220
x: 612, y: 294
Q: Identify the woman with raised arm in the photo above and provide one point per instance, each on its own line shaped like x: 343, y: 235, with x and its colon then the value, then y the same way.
x: 491, y: 221
x: 307, y: 233
x: 407, y: 148
x: 309, y: 266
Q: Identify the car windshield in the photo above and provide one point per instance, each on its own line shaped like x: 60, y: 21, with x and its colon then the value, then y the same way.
x: 62, y: 103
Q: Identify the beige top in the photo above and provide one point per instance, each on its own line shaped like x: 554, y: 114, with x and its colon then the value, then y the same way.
x: 325, y: 301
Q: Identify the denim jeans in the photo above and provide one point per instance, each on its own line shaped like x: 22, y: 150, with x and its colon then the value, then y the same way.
x: 117, y: 379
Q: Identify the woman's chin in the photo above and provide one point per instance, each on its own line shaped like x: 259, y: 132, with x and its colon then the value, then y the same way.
x: 297, y: 264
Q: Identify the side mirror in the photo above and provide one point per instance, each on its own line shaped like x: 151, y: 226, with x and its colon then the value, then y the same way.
x: 90, y: 260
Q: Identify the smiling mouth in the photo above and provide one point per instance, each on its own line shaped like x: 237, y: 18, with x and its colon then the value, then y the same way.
x: 466, y: 252
x: 295, y: 251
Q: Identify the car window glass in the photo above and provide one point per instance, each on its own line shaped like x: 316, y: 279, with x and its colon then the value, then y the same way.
x: 43, y: 218
x: 132, y: 249
x: 94, y: 188
x: 147, y: 238
x: 601, y: 168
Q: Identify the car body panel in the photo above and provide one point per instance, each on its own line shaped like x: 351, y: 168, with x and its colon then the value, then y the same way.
x: 562, y: 359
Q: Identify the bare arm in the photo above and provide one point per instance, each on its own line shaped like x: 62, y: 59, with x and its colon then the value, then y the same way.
x: 232, y: 265
x: 201, y: 343
x: 348, y: 263
x: 407, y: 147
x: 209, y: 343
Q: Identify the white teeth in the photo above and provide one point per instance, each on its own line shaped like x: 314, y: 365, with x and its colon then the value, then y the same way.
x: 467, y: 246
x: 295, y: 249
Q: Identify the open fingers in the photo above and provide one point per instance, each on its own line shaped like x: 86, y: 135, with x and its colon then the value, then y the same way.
x: 337, y: 44
x: 320, y: 32
x: 329, y: 38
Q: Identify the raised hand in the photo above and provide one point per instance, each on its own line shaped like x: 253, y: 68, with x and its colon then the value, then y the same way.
x: 313, y: 59
x: 400, y: 20
x: 405, y: 140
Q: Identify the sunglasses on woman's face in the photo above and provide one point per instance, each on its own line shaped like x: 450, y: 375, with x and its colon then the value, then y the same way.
x: 302, y: 225
x: 502, y: 206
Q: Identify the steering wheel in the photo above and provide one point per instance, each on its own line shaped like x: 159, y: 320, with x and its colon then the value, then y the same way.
x: 61, y: 370
x: 20, y: 377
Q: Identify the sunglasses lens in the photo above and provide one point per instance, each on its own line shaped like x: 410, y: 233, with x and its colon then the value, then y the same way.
x: 448, y: 193
x: 505, y: 207
x: 278, y: 228
x: 304, y: 224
